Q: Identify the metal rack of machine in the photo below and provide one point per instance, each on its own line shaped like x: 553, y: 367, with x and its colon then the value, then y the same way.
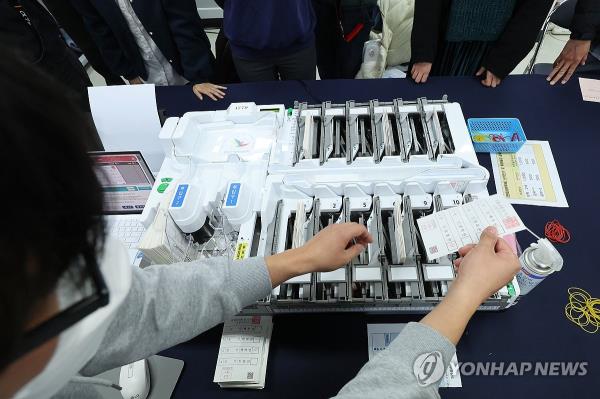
x: 371, y: 130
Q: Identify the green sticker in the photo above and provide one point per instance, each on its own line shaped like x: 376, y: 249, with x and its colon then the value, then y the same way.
x: 162, y: 187
x: 511, y: 289
x: 166, y: 179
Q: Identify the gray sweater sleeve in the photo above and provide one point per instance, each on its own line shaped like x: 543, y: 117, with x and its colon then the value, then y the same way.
x: 390, y: 374
x: 170, y: 304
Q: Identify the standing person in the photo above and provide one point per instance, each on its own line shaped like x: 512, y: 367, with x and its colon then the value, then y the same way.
x: 154, y: 41
x: 343, y: 27
x: 582, y: 52
x: 72, y: 23
x: 27, y: 27
x: 473, y: 37
x: 271, y: 39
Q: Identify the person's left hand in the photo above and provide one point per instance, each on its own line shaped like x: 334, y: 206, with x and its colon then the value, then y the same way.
x: 574, y: 53
x: 213, y: 91
x: 490, y: 80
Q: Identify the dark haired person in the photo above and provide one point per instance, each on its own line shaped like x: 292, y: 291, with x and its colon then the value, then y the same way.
x: 72, y: 306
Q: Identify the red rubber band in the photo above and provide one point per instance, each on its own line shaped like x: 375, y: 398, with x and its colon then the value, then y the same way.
x: 556, y: 232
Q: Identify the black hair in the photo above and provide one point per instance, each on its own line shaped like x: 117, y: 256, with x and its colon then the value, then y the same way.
x: 51, y: 199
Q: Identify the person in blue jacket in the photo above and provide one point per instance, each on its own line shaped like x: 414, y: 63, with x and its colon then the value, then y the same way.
x: 154, y: 41
x: 271, y: 39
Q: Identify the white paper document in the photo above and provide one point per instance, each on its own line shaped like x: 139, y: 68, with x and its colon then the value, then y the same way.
x: 380, y: 336
x: 126, y: 118
x: 529, y: 176
x: 446, y: 231
x: 590, y: 89
x: 243, y: 354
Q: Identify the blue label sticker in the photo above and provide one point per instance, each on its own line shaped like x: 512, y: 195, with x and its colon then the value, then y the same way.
x: 179, y: 195
x: 232, y: 195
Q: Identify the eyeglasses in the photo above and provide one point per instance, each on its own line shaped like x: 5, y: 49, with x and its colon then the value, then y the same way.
x: 65, y: 318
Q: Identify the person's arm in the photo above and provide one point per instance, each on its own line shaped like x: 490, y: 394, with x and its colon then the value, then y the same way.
x: 197, y: 59
x: 586, y: 21
x: 107, y: 43
x: 585, y: 27
x: 413, y: 365
x: 170, y: 304
x: 425, y: 37
x: 518, y: 37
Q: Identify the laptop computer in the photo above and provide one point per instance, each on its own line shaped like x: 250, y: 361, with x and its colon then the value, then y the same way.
x: 126, y: 183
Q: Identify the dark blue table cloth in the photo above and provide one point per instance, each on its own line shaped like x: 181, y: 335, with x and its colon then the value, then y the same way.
x: 315, y: 355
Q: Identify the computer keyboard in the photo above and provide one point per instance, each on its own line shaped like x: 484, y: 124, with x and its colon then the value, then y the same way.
x: 128, y: 230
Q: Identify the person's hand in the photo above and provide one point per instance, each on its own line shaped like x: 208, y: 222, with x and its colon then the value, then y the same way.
x: 484, y: 268
x: 332, y: 248
x: 490, y: 80
x: 208, y: 89
x: 574, y: 53
x: 136, y: 81
x: 336, y: 245
x: 420, y: 71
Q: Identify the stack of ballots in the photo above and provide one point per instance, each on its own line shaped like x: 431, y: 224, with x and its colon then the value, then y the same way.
x: 163, y: 242
x: 243, y: 354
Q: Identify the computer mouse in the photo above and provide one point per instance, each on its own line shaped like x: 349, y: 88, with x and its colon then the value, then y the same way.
x: 134, y: 380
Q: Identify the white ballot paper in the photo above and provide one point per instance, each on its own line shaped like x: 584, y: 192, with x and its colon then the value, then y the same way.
x: 380, y: 336
x: 590, y: 89
x: 529, y: 176
x: 446, y: 231
x: 243, y: 354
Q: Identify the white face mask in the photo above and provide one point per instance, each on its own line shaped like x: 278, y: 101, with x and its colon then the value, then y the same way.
x: 78, y: 344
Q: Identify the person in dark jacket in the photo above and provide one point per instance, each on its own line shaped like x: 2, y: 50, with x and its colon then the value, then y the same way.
x: 467, y: 37
x: 343, y: 27
x: 155, y: 41
x: 271, y: 39
x: 583, y: 45
x: 28, y: 28
x: 72, y: 23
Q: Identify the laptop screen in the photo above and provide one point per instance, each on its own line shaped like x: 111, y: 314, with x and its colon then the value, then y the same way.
x: 126, y: 181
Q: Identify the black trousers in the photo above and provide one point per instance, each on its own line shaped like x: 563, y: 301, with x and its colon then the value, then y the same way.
x: 71, y: 21
x: 337, y: 57
x: 301, y: 65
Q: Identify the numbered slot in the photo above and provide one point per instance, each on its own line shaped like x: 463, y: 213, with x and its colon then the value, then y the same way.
x: 368, y: 274
x: 404, y: 279
x: 438, y: 273
x: 330, y: 286
x: 297, y: 228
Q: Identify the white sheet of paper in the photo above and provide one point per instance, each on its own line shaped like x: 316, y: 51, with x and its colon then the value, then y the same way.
x: 380, y: 336
x: 243, y: 353
x: 590, y: 89
x: 529, y: 176
x: 126, y: 118
x: 446, y: 231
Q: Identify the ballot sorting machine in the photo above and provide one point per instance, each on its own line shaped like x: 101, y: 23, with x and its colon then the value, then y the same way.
x: 278, y: 177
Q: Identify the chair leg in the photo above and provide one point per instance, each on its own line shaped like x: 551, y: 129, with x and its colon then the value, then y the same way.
x: 538, y: 46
